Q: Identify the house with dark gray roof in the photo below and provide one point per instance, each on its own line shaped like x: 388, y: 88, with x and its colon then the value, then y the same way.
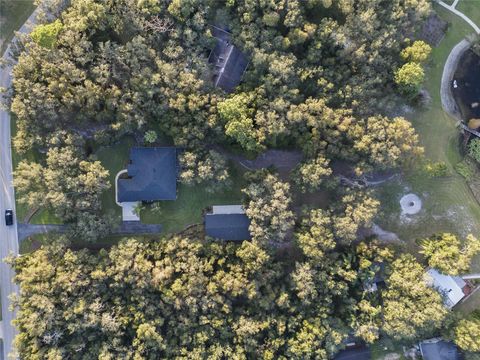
x: 438, y: 349
x: 227, y: 222
x: 229, y: 62
x: 152, y: 175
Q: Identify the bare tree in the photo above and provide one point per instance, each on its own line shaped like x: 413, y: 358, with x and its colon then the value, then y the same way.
x: 157, y: 24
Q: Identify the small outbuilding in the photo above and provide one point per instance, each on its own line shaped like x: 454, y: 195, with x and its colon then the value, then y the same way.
x: 438, y: 349
x: 152, y: 175
x: 228, y: 61
x: 452, y: 288
x: 227, y: 222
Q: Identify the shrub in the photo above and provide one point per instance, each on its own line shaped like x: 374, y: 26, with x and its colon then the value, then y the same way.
x: 474, y: 149
x: 409, y: 77
x: 436, y: 169
x: 46, y: 35
x: 464, y: 169
x: 150, y: 136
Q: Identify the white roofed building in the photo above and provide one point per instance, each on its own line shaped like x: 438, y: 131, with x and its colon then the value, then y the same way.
x: 450, y: 287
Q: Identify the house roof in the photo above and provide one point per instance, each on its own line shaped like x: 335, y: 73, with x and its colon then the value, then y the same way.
x: 451, y: 287
x: 228, y: 209
x: 230, y: 63
x: 152, y: 175
x: 228, y: 226
x: 439, y: 350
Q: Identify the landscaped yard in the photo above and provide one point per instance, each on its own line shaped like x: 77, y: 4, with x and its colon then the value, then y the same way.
x: 471, y: 304
x: 448, y: 204
x: 114, y: 158
x: 13, y: 13
x: 471, y: 9
x: 385, y: 349
x: 191, y: 200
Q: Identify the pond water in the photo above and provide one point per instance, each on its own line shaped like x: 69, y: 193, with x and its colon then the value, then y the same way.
x: 466, y: 85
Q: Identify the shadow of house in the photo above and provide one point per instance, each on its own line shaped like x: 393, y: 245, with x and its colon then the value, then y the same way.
x: 228, y: 61
x: 227, y: 222
x: 354, y: 353
x: 152, y: 175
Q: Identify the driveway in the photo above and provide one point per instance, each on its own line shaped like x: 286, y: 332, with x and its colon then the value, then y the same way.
x: 8, y: 234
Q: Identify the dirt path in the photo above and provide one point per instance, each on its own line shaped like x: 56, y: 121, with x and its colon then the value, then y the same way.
x: 284, y: 161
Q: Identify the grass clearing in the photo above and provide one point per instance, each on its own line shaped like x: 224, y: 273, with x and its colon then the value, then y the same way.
x: 448, y: 203
x: 13, y: 14
x: 114, y: 158
x: 187, y: 209
x: 471, y: 8
x: 384, y: 347
x: 469, y: 305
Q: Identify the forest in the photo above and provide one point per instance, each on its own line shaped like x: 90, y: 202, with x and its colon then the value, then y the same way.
x: 324, y: 77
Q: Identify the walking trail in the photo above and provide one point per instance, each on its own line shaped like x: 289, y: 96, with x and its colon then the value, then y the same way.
x: 453, y: 9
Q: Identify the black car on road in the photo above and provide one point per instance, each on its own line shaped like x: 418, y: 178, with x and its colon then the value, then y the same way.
x: 9, y: 217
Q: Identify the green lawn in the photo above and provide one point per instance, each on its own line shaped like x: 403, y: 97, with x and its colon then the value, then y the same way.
x: 13, y: 13
x: 470, y: 304
x: 385, y: 346
x: 471, y: 8
x: 191, y: 200
x: 448, y: 202
x: 114, y: 158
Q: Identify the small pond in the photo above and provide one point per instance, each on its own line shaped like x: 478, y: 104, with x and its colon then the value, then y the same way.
x: 466, y: 85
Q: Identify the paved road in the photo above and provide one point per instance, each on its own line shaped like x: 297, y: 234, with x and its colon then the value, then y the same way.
x: 8, y: 234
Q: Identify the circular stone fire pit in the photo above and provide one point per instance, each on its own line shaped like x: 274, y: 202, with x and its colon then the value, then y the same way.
x: 410, y: 204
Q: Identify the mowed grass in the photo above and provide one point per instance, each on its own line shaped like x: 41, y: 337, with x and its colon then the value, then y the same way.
x: 448, y: 204
x: 471, y: 304
x: 13, y: 14
x: 471, y: 8
x: 187, y: 209
x: 384, y: 347
x: 114, y: 158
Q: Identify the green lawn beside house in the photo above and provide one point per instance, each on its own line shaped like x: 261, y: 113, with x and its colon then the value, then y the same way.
x: 114, y: 158
x: 471, y: 8
x: 191, y: 200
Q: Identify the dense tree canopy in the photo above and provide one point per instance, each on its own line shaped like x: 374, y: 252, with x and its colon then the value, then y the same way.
x: 446, y: 253
x: 411, y: 308
x: 69, y: 183
x: 321, y: 78
x: 467, y: 334
x: 315, y: 76
x: 182, y: 296
x: 268, y: 207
